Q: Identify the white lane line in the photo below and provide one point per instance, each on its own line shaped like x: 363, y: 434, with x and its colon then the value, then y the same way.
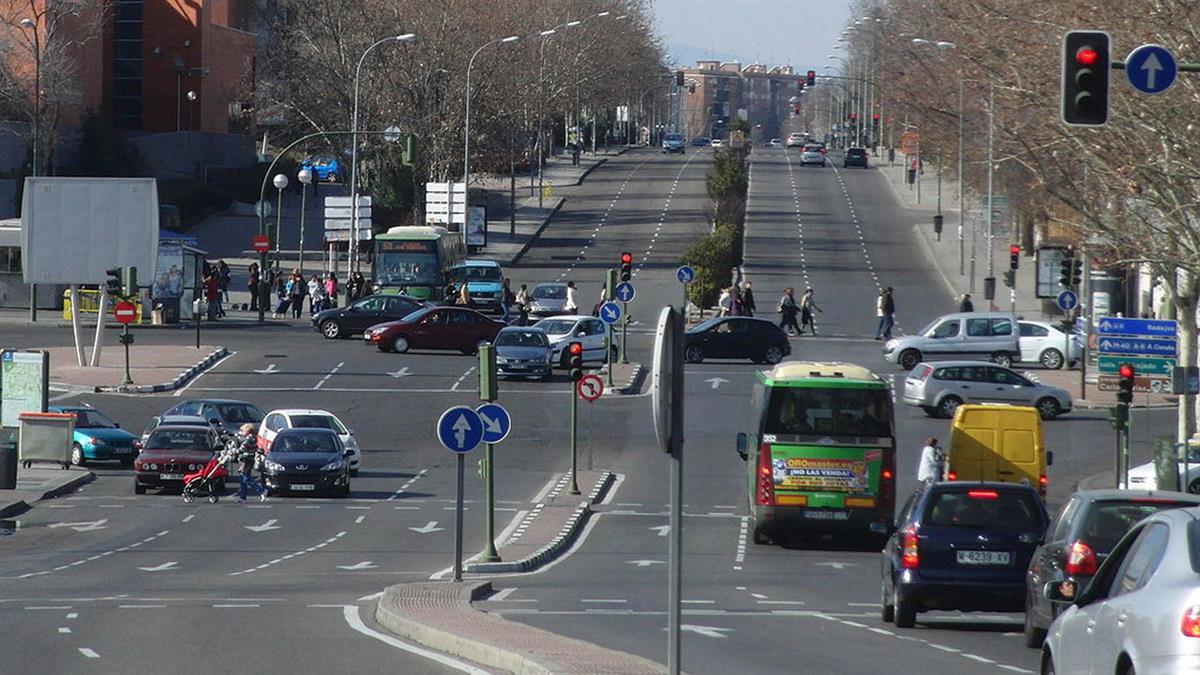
x: 141, y: 606
x: 310, y: 549
x: 235, y: 605
x: 35, y: 607
x: 359, y: 519
x: 73, y: 615
x: 502, y: 594
x: 740, y: 557
x: 189, y: 517
x: 408, y: 484
x: 64, y: 630
x: 329, y: 375
x: 615, y: 601
x: 91, y: 654
x: 454, y: 387
x: 350, y: 614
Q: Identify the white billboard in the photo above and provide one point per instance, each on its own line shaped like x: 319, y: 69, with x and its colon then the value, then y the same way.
x: 73, y: 229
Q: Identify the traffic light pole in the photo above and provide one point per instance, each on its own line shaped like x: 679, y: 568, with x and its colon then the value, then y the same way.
x: 574, y: 427
x: 126, y: 339
x: 624, y: 331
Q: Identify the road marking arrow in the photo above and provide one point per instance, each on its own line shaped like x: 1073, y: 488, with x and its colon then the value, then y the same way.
x: 82, y: 527
x: 269, y: 525
x: 493, y: 426
x: 1151, y: 66
x: 662, y: 530
x: 716, y: 381
x: 461, y: 427
x: 403, y: 372
x: 270, y: 369
x: 644, y: 563
x: 364, y: 565
x: 835, y: 565
x: 160, y: 568
x: 431, y: 526
x: 706, y: 631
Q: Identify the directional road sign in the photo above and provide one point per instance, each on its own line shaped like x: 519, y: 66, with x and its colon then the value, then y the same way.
x: 1141, y: 365
x: 590, y: 387
x: 1148, y: 327
x: 1067, y: 301
x: 1136, y: 346
x: 1141, y: 385
x: 625, y: 292
x: 460, y: 429
x: 685, y: 274
x: 1151, y: 69
x: 610, y: 312
x: 496, y: 422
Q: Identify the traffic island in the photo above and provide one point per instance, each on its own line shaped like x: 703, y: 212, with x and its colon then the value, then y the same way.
x: 37, y: 483
x: 155, y: 368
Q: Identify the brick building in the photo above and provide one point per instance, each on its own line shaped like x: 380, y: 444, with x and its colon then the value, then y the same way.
x: 717, y: 93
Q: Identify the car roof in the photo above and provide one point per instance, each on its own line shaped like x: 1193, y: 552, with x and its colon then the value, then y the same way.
x: 213, y: 400
x: 550, y: 283
x: 1113, y: 494
x: 963, y: 362
x: 522, y: 329
x: 568, y: 317
x: 182, y: 419
x: 179, y: 426
x: 300, y: 411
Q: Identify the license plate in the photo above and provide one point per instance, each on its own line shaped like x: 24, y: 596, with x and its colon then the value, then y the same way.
x: 303, y: 486
x: 827, y: 515
x: 984, y: 557
x: 170, y: 476
x: 123, y: 451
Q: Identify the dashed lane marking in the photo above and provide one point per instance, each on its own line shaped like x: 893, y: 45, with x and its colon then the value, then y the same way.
x: 408, y: 484
x: 329, y: 375
x: 90, y: 653
x: 296, y: 554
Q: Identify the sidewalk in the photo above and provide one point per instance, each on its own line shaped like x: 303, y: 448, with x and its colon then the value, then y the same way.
x: 38, y: 483
x: 154, y: 368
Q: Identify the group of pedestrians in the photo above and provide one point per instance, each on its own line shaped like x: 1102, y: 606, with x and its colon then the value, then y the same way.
x: 737, y: 300
x: 292, y: 289
x: 789, y: 308
x: 216, y: 289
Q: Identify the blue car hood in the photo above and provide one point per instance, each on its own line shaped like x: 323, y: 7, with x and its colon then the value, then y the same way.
x: 108, y: 435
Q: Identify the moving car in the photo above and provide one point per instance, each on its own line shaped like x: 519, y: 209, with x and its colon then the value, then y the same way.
x: 341, y: 322
x: 484, y: 280
x: 325, y: 169
x: 1141, y: 611
x: 672, y: 142
x: 717, y: 143
x: 796, y: 140
x: 224, y: 415
x: 548, y: 299
x: 961, y: 546
x: 307, y: 461
x: 775, y: 143
x: 855, y: 157
x: 279, y: 420
x: 97, y: 438
x: 939, y: 388
x: 453, y: 328
x: 171, y: 451
x: 562, y: 330
x: 1145, y: 476
x: 523, y: 351
x: 813, y: 154
x: 1045, y: 344
x: 700, y: 142
x: 736, y: 337
x: 1082, y: 533
x: 962, y: 335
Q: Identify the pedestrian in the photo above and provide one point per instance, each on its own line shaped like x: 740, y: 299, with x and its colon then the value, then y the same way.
x: 316, y: 295
x: 724, y: 302
x: 464, y: 294
x: 282, y: 288
x: 748, y: 306
x: 965, y: 304
x: 885, y: 309
x: 212, y: 292
x: 523, y: 301
x: 933, y: 462
x: 807, y: 306
x: 252, y: 279
x: 248, y: 456
x: 355, y: 287
x: 297, y: 289
x: 735, y: 300
x: 507, y: 298
x: 331, y: 290
x: 572, y: 304
x: 575, y: 153
x: 224, y: 278
x: 787, y: 310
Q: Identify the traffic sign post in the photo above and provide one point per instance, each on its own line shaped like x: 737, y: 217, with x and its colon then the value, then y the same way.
x: 496, y: 425
x: 1151, y: 69
x: 125, y: 312
x: 590, y: 388
x: 625, y: 292
x: 260, y: 243
x: 686, y: 275
x: 610, y: 313
x: 1068, y: 300
x: 460, y: 430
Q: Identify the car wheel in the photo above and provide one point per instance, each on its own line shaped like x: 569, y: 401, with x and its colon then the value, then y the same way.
x: 353, y: 473
x: 694, y: 354
x: 906, y: 612
x: 330, y: 329
x: 887, y: 611
x: 400, y: 344
x: 1034, y: 636
x: 1052, y: 359
x: 1194, y: 487
x: 909, y: 358
x: 1001, y: 359
x: 773, y: 355
x: 77, y: 458
x: 332, y: 178
x: 760, y: 537
x: 139, y: 489
x: 1048, y: 408
x: 930, y: 410
x: 948, y: 405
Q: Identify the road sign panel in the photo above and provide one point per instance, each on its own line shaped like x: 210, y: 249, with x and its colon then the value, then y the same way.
x: 460, y: 429
x: 590, y: 387
x: 1141, y: 364
x: 496, y: 422
x: 1150, y: 327
x: 125, y: 312
x: 610, y: 313
x: 363, y: 200
x: 346, y: 223
x: 685, y: 274
x: 1135, y: 346
x: 260, y: 243
x: 1151, y: 69
x: 1067, y: 300
x: 1141, y: 384
x: 625, y: 292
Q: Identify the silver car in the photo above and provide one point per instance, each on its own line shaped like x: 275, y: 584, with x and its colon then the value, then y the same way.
x: 1140, y: 612
x: 548, y: 300
x: 1043, y: 343
x: 962, y: 335
x: 940, y: 388
x: 522, y: 351
x: 812, y: 155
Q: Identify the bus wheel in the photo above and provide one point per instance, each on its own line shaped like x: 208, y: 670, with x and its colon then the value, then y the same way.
x: 330, y: 329
x: 761, y: 537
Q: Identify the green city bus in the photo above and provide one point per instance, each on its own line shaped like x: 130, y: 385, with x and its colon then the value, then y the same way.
x: 416, y: 260
x: 821, y: 453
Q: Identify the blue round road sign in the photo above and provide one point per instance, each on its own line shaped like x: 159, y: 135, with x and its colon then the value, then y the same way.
x: 460, y: 429
x: 625, y: 292
x: 496, y: 422
x: 610, y: 313
x: 1151, y: 69
x: 1067, y: 300
x: 685, y: 274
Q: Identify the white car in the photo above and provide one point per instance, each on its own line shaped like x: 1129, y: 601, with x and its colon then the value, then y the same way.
x: 1043, y: 343
x: 717, y: 143
x: 1145, y: 477
x: 812, y: 155
x: 297, y: 418
x: 775, y: 143
x: 796, y: 140
x: 563, y: 330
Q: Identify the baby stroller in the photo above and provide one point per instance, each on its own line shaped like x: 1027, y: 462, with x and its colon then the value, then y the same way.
x: 209, y: 480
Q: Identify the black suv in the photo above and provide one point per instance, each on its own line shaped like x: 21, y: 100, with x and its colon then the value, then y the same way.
x: 855, y: 157
x: 961, y: 546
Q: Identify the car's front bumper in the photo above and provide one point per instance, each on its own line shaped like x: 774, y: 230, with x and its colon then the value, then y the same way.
x: 109, y: 452
x: 298, y: 482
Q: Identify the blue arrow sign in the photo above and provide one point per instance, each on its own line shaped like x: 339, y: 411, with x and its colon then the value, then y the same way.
x: 496, y: 422
x: 625, y: 292
x: 1147, y: 327
x: 610, y: 312
x: 1136, y: 346
x: 1067, y: 300
x: 460, y: 429
x: 685, y: 274
x: 1151, y: 69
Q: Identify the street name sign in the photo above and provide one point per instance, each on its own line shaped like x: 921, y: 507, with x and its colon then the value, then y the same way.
x: 1136, y: 346
x: 1141, y: 364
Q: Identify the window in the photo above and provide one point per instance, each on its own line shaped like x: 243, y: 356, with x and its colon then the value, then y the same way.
x: 1002, y: 376
x: 373, y: 304
x: 594, y: 327
x: 1033, y: 330
x: 1062, y: 519
x: 274, y: 422
x: 946, y: 329
x: 974, y: 373
x: 317, y: 422
x: 948, y: 374
x: 1001, y: 327
x: 839, y: 412
x: 1000, y: 509
x: 1142, y: 559
x: 400, y: 306
x: 461, y: 318
x: 979, y: 327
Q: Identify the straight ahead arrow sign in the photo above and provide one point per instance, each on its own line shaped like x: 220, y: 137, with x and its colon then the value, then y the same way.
x: 644, y: 563
x: 835, y: 565
x: 431, y: 526
x: 662, y: 530
x: 403, y: 372
x: 716, y: 381
x: 269, y: 525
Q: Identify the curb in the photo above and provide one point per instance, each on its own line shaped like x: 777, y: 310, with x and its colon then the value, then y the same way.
x: 20, y: 506
x: 180, y: 380
x: 566, y: 536
x: 538, y: 232
x: 630, y: 385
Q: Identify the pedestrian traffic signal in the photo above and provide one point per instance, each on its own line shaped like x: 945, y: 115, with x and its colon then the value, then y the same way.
x: 1077, y: 273
x: 1066, y: 272
x: 129, y: 281
x: 1010, y: 278
x: 1125, y: 385
x: 575, y: 360
x: 626, y: 265
x: 811, y: 78
x: 113, y: 285
x: 1086, y: 63
x: 1014, y: 256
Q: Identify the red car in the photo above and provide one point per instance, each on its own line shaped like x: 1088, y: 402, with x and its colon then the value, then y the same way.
x: 453, y: 328
x: 171, y: 451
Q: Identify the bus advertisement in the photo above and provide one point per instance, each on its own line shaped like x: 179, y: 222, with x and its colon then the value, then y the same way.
x: 415, y: 260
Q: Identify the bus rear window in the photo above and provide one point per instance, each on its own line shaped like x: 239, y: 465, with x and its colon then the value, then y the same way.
x: 828, y: 411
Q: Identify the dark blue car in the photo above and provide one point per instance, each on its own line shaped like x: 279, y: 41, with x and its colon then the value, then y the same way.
x: 97, y: 438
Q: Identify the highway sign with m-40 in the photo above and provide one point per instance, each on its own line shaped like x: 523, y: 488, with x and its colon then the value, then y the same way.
x: 1137, y: 346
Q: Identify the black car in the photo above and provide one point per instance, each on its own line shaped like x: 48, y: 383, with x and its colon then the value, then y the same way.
x: 306, y: 461
x: 356, y: 317
x: 223, y: 415
x: 736, y: 337
x: 961, y: 546
x: 855, y: 157
x: 1082, y: 533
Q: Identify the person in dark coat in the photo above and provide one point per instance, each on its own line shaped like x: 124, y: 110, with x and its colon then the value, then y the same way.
x: 965, y: 304
x: 788, y: 310
x: 748, y: 306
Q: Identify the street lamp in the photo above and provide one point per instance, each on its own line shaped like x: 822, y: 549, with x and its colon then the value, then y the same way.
x: 467, y: 133
x: 31, y: 25
x: 943, y: 45
x: 353, y: 244
x: 305, y: 177
x: 280, y: 182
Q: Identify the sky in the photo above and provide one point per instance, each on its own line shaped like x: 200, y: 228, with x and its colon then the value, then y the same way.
x: 799, y: 33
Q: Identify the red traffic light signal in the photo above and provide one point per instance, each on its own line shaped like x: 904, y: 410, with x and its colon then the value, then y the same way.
x: 1126, y: 370
x: 575, y: 360
x: 626, y: 266
x: 1014, y: 256
x: 1014, y: 249
x: 1086, y: 56
x: 1086, y: 65
x: 811, y: 78
x: 626, y: 258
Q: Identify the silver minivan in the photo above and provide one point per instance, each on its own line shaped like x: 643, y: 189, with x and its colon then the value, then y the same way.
x: 965, y: 335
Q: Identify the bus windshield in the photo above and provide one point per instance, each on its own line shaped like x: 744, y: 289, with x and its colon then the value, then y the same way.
x: 829, y: 411
x: 404, y: 268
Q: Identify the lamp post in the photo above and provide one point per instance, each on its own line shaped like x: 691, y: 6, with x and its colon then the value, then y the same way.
x: 305, y: 177
x: 467, y: 133
x: 541, y: 104
x: 353, y: 243
x: 944, y: 45
x: 280, y: 182
x: 31, y: 25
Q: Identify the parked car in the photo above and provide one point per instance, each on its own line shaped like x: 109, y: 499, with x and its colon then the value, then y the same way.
x: 523, y: 351
x: 171, y: 451
x: 1140, y: 612
x: 1082, y: 533
x: 224, y: 415
x: 775, y: 143
x: 855, y: 157
x: 940, y: 388
x: 672, y: 142
x: 548, y: 299
x: 736, y: 337
x: 452, y: 328
x: 563, y: 330
x: 98, y: 438
x: 277, y: 421
x: 1145, y: 476
x: 484, y: 282
x: 307, y: 461
x: 812, y: 154
x: 717, y: 143
x: 961, y: 546
x: 962, y: 335
x: 341, y: 322
x: 1043, y: 343
x: 324, y: 169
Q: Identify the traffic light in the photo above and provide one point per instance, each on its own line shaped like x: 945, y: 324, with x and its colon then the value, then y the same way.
x: 409, y: 156
x: 1066, y: 273
x: 129, y: 281
x: 1010, y: 278
x: 1014, y: 257
x: 1125, y: 385
x: 679, y: 78
x: 113, y: 286
x: 575, y: 360
x: 811, y: 78
x: 487, y: 372
x: 1077, y: 273
x: 626, y: 265
x: 1086, y: 62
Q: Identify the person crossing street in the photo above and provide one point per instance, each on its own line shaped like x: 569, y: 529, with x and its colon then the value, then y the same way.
x: 807, y: 306
x: 247, y: 457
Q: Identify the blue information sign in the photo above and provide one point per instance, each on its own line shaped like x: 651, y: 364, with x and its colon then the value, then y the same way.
x: 460, y: 429
x: 610, y: 313
x: 496, y: 422
x: 1151, y: 69
x: 1067, y: 300
x: 1148, y: 327
x: 1135, y: 346
x: 625, y: 292
x: 685, y: 274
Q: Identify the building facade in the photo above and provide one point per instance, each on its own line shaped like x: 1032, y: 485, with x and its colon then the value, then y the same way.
x: 717, y: 93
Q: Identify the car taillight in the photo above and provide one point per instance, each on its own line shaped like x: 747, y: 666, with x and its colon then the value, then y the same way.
x: 952, y: 476
x: 1190, y: 625
x: 887, y: 487
x: 765, y: 492
x: 909, y: 557
x: 1081, y: 560
x: 925, y: 373
x: 1043, y: 481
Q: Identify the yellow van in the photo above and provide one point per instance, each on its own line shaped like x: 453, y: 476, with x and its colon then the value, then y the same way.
x: 998, y: 443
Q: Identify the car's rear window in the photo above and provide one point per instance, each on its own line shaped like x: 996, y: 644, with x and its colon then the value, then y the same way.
x: 856, y: 152
x: 178, y: 440
x: 984, y: 507
x: 1106, y: 522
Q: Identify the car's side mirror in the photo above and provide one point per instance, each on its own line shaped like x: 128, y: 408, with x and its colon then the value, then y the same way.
x: 1065, y: 591
x: 1049, y: 458
x: 741, y: 446
x: 347, y: 454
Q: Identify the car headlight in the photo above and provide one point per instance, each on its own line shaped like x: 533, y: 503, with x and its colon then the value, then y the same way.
x: 351, y: 443
x: 891, y: 345
x: 150, y: 467
x: 96, y: 441
x: 334, y: 465
x: 273, y: 467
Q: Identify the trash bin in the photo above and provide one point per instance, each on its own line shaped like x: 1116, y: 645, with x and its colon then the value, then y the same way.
x: 937, y: 225
x: 912, y: 176
x: 8, y: 464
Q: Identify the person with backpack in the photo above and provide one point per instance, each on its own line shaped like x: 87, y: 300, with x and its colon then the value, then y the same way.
x: 788, y: 309
x: 807, y: 307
